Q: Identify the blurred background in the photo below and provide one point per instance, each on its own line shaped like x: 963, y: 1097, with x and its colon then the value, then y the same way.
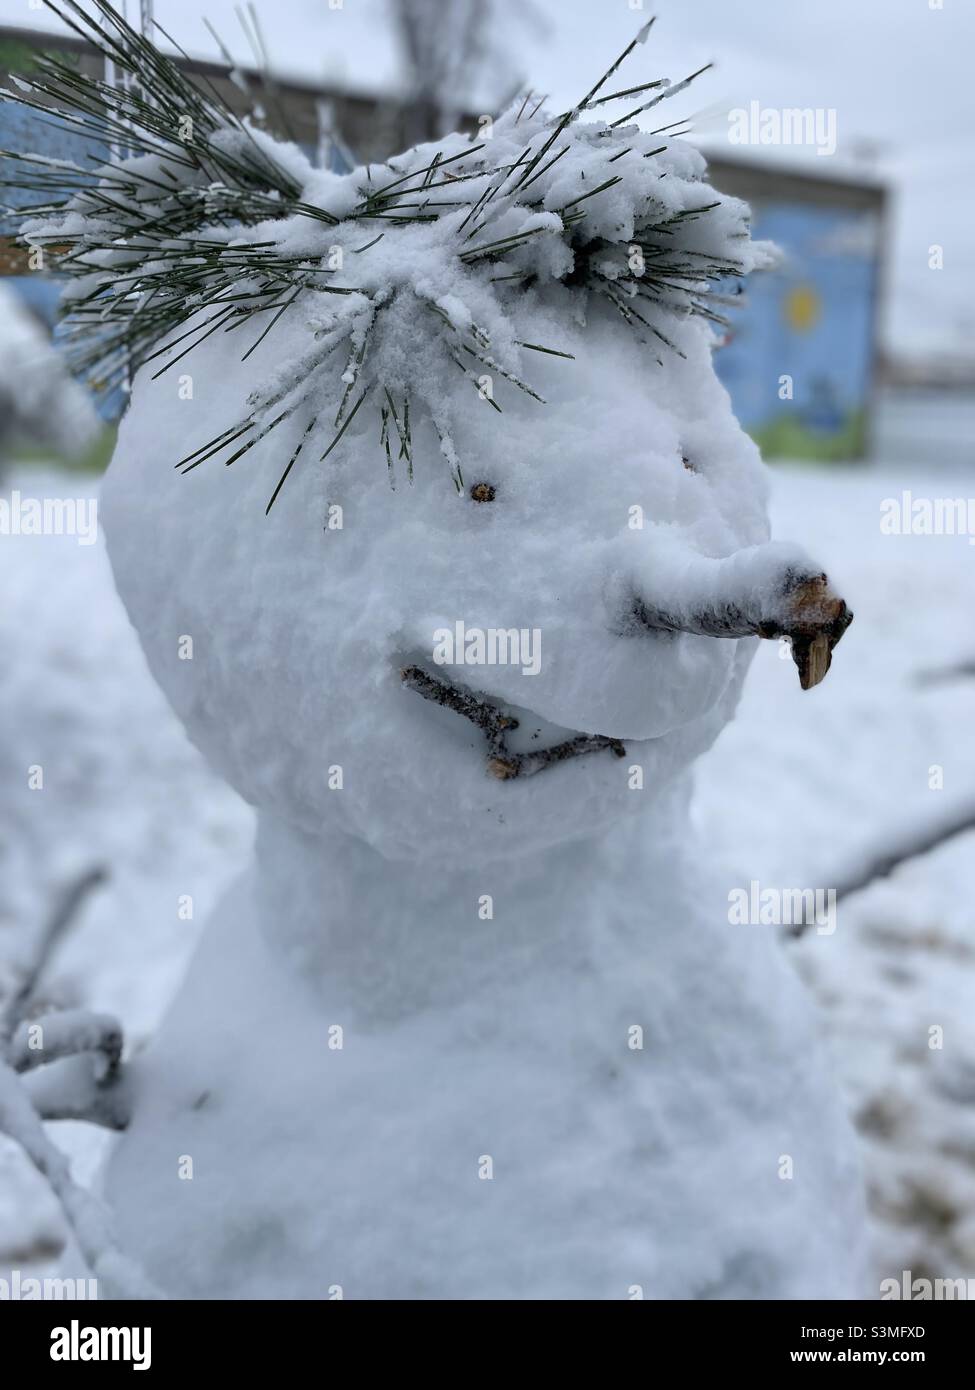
x: 852, y: 363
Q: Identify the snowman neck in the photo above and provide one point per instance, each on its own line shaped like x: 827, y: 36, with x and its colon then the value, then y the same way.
x: 389, y: 937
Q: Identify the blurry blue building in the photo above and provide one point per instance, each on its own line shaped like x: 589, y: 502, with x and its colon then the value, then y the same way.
x: 800, y: 357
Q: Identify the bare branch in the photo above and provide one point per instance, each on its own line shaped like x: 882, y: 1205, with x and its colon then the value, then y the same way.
x: 13, y: 1008
x: 527, y: 764
x: 943, y: 675
x: 87, y: 1218
x: 74, y: 1057
x: 67, y: 1034
x: 921, y: 841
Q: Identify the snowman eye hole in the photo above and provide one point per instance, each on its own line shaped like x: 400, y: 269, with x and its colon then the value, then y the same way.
x: 688, y: 464
x: 483, y: 492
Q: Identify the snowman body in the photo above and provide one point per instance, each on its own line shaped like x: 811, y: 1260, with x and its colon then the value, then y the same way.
x: 453, y: 1036
x: 594, y: 1095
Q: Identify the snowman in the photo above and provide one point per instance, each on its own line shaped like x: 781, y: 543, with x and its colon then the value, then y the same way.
x: 440, y: 535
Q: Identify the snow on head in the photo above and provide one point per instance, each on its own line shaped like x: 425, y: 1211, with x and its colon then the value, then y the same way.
x: 303, y: 621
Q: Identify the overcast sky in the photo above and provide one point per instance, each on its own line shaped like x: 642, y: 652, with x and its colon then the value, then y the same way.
x: 897, y: 73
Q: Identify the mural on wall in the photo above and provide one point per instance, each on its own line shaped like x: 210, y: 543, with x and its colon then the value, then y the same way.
x: 798, y: 360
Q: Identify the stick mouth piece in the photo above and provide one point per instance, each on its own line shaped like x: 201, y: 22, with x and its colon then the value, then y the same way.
x: 496, y: 723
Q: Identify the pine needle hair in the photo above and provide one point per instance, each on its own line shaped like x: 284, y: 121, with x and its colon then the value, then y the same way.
x: 199, y: 224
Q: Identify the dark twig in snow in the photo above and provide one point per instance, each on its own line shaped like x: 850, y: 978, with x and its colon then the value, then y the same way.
x: 910, y: 846
x: 943, y: 675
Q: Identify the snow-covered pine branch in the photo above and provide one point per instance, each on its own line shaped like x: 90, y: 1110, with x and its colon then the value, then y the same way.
x: 402, y: 272
x: 66, y: 1066
x: 87, y: 1218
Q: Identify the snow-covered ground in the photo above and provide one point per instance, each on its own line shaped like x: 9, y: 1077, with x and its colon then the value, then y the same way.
x: 122, y: 788
x: 800, y: 790
x: 804, y: 789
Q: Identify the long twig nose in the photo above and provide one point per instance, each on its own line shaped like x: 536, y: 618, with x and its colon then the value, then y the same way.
x: 768, y: 590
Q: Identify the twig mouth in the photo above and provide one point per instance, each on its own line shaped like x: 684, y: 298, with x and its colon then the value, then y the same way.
x: 496, y: 725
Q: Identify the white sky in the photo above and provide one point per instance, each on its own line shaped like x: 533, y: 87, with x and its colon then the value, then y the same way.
x: 896, y: 72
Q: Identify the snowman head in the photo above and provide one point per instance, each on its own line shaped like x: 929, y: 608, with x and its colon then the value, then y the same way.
x: 432, y: 516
